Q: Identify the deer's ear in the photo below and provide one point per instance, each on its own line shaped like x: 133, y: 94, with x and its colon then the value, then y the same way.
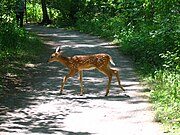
x: 58, y: 49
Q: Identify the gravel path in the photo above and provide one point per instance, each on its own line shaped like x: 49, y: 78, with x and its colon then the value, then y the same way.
x: 40, y: 110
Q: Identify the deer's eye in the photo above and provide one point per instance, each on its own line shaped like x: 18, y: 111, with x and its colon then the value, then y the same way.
x: 52, y: 57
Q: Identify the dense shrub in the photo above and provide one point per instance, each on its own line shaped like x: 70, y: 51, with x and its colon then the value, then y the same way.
x: 34, y: 12
x: 165, y: 94
x: 145, y: 43
x: 11, y: 37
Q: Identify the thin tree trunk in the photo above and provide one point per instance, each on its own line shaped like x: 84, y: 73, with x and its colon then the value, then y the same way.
x: 26, y: 11
x: 46, y: 19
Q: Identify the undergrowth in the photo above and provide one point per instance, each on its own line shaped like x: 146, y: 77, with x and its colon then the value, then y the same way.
x: 165, y: 86
x: 17, y: 47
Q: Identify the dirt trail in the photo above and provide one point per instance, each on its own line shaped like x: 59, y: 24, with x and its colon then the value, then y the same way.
x: 40, y: 110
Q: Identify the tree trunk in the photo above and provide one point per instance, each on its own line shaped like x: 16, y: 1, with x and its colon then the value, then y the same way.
x: 46, y: 19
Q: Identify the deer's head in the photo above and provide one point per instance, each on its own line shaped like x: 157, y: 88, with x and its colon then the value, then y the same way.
x: 54, y: 56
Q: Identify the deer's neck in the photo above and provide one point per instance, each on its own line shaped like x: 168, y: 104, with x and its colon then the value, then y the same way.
x: 64, y: 60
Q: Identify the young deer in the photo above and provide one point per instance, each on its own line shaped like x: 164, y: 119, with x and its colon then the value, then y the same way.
x: 79, y: 63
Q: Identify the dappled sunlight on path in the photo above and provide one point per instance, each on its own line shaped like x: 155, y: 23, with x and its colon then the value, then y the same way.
x: 41, y: 110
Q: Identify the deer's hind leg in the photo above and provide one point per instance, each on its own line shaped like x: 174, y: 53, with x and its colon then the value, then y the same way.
x: 81, y: 82
x: 116, y: 73
x: 107, y: 71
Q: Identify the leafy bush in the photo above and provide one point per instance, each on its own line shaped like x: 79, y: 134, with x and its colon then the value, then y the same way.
x: 171, y: 61
x: 165, y: 94
x: 34, y: 12
x: 17, y: 47
x: 20, y: 44
x: 16, y: 36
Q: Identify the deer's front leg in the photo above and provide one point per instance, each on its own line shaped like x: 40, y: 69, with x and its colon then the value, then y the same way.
x: 71, y: 73
x: 81, y: 82
x: 109, y: 84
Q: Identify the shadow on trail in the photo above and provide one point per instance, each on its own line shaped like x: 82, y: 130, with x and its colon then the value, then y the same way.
x: 39, y: 109
x: 108, y: 98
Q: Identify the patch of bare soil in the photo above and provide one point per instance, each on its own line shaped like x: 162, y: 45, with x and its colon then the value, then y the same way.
x: 41, y: 110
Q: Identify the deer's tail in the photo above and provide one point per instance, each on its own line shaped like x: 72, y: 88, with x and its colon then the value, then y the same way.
x: 112, y: 61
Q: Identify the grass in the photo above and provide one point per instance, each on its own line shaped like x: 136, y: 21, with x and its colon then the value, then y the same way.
x: 165, y: 96
x: 13, y: 60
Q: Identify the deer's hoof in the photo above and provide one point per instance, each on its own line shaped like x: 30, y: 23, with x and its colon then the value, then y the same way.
x: 60, y: 93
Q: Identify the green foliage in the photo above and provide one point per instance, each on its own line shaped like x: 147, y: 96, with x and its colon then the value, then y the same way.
x: 16, y: 36
x: 171, y: 61
x: 165, y: 94
x: 100, y: 24
x: 68, y: 10
x: 144, y: 43
x: 18, y: 45
x: 34, y: 12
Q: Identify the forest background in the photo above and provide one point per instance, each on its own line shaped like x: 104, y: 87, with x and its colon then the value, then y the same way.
x: 146, y: 30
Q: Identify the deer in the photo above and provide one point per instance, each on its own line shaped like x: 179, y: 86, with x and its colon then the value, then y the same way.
x: 78, y: 63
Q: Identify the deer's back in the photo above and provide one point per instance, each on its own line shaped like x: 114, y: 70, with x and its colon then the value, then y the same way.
x: 88, y: 62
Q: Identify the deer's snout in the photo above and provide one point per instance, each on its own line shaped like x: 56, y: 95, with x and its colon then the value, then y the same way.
x: 48, y: 61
